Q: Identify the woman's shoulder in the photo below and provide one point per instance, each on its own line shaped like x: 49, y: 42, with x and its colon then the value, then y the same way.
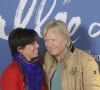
x: 11, y: 77
x: 13, y: 68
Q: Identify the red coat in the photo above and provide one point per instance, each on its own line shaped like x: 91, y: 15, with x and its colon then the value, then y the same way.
x: 12, y: 78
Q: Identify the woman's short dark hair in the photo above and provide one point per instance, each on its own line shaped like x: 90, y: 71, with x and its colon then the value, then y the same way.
x: 20, y: 37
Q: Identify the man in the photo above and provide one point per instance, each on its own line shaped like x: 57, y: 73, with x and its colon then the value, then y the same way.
x: 66, y: 67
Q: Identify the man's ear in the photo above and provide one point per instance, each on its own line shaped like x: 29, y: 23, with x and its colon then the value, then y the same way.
x: 65, y: 39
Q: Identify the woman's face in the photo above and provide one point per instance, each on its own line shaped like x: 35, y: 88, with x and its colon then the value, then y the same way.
x: 55, y: 42
x: 30, y: 50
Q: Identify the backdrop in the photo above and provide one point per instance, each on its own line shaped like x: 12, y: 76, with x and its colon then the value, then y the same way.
x: 81, y: 16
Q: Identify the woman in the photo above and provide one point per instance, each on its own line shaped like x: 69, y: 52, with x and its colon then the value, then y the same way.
x: 25, y: 72
x: 66, y: 67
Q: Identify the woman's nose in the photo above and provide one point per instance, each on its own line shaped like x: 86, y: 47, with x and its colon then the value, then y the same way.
x: 37, y: 45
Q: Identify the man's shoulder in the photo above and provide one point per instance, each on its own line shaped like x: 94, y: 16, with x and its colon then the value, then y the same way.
x: 85, y: 57
x: 81, y: 52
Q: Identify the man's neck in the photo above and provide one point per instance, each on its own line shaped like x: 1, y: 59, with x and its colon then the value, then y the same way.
x: 61, y: 55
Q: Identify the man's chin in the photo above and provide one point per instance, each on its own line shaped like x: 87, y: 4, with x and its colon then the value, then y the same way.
x: 53, y: 53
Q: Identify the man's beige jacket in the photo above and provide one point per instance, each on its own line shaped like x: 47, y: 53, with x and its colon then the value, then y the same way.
x: 79, y: 71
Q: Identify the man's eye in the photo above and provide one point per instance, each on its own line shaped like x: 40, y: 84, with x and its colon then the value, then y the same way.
x: 53, y: 39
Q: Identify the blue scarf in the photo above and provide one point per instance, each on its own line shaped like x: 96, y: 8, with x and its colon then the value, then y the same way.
x: 32, y: 71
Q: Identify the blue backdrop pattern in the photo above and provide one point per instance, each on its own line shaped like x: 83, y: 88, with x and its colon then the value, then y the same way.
x: 82, y: 17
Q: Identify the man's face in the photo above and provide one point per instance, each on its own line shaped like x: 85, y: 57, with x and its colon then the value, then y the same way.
x: 54, y: 42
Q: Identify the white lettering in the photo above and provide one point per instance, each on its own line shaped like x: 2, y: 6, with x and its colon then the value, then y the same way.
x: 39, y: 14
x: 19, y: 12
x: 18, y: 22
x: 61, y: 16
x: 73, y: 27
x: 96, y: 34
x: 66, y: 1
x: 2, y: 29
